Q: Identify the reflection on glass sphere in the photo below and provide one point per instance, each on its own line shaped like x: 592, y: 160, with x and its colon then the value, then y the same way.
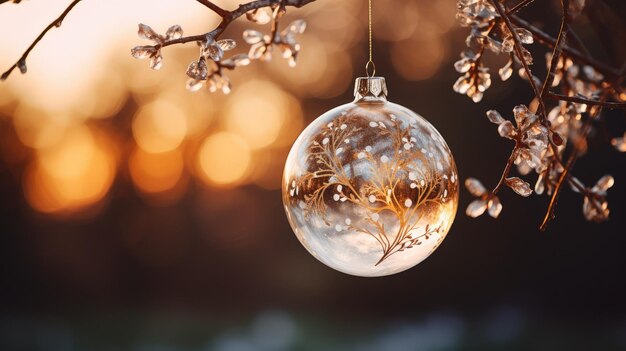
x: 370, y: 188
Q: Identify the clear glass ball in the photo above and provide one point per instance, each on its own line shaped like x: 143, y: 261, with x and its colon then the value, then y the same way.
x: 370, y: 188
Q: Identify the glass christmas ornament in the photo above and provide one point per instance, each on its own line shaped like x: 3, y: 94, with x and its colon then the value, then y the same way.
x: 370, y: 188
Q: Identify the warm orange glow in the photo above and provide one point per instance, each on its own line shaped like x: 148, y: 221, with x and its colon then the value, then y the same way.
x: 268, y: 168
x: 38, y: 128
x: 109, y: 96
x: 257, y: 111
x: 74, y: 174
x: 439, y: 17
x: 199, y: 108
x: 159, y: 126
x: 394, y: 25
x: 224, y: 159
x: 154, y: 173
x: 71, y: 156
x: 323, y: 71
x: 311, y: 67
x: 6, y: 96
x: 82, y: 73
x: 417, y: 59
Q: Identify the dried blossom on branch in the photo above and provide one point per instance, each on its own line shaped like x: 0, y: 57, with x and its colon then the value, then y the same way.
x: 547, y: 142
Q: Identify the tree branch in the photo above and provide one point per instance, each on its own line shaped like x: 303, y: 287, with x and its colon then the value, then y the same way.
x: 544, y: 38
x: 578, y: 42
x: 21, y: 63
x: 558, y: 46
x: 227, y: 18
x: 518, y: 51
x: 220, y: 11
x: 566, y: 173
x: 511, y: 30
x: 507, y: 169
x: 583, y: 100
x: 519, y: 6
x: 230, y: 17
x: 558, y: 49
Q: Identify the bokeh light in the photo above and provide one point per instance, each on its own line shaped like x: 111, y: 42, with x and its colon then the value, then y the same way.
x: 137, y: 215
x: 74, y: 174
x: 224, y: 159
x: 110, y: 94
x: 159, y: 126
x: 256, y: 111
x: 417, y: 59
x: 38, y: 128
x: 155, y: 173
x: 249, y: 131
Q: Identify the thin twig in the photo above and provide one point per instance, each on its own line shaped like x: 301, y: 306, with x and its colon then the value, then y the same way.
x: 56, y: 23
x: 578, y: 42
x: 554, y: 62
x: 518, y: 50
x: 572, y: 160
x: 519, y: 6
x: 220, y: 11
x: 558, y: 49
x: 583, y: 100
x: 574, y: 156
x: 507, y: 169
x: 544, y: 38
x: 550, y: 215
x: 555, y: 195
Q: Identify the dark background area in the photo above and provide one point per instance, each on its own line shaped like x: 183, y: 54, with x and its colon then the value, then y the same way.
x: 215, y: 269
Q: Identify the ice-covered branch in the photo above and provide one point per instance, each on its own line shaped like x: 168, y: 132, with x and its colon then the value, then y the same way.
x: 542, y: 136
x: 174, y: 35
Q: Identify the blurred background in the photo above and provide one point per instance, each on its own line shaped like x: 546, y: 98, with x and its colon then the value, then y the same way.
x: 135, y: 215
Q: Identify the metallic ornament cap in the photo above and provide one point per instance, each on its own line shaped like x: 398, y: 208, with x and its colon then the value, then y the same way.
x: 370, y: 89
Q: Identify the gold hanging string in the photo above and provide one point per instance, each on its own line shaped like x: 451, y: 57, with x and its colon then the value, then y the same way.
x: 370, y: 62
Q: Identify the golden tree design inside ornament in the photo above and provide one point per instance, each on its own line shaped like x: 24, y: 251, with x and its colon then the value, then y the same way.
x: 370, y: 188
